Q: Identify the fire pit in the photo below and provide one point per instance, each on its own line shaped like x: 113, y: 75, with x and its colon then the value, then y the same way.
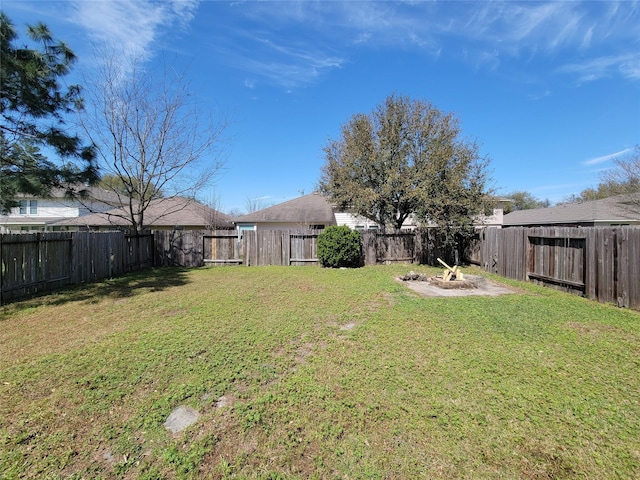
x: 436, y: 286
x: 440, y: 282
x: 452, y: 278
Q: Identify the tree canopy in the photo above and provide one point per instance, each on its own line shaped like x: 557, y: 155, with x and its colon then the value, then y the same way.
x: 406, y: 157
x: 33, y: 106
x: 523, y: 200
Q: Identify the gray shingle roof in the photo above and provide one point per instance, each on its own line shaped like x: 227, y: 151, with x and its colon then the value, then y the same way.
x: 619, y: 209
x: 92, y: 193
x: 308, y: 209
x: 163, y: 212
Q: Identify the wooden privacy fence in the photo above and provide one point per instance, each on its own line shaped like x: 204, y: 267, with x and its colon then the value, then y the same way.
x: 196, y: 248
x: 388, y: 248
x: 40, y: 262
x: 601, y: 263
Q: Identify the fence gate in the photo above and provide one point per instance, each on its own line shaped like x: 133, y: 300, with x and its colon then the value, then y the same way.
x: 388, y: 247
x: 222, y: 249
x: 303, y: 249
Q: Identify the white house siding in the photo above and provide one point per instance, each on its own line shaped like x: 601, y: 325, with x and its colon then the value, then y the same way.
x: 282, y: 226
x: 354, y: 221
x: 494, y: 220
x: 48, y: 210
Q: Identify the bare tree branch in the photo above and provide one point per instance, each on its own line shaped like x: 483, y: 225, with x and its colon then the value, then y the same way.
x: 152, y: 135
x: 624, y: 179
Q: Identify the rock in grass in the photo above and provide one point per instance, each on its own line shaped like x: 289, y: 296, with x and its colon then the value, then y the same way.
x: 181, y: 418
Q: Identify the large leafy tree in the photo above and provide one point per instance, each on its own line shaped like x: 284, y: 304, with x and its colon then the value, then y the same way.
x: 33, y: 105
x: 406, y: 157
x: 523, y: 200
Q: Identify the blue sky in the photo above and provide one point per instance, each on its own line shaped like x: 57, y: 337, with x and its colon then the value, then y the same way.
x: 551, y: 90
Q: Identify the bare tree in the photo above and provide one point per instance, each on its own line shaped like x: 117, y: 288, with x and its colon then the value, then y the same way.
x: 626, y: 171
x: 215, y: 217
x: 624, y: 180
x: 151, y: 135
x: 235, y: 212
x: 254, y: 204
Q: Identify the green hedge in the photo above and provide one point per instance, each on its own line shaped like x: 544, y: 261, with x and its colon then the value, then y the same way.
x: 340, y: 247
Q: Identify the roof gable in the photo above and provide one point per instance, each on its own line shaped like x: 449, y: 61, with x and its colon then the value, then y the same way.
x: 307, y: 209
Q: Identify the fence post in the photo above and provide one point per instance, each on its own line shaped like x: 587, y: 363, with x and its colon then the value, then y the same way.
x: 1, y: 270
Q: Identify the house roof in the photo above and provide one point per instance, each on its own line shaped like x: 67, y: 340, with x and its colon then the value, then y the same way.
x: 92, y: 194
x: 618, y: 209
x: 308, y: 209
x: 6, y: 220
x: 162, y: 212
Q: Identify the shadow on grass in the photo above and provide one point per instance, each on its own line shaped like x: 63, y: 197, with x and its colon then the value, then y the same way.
x: 125, y: 286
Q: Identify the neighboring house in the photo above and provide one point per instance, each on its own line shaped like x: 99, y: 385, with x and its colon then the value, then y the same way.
x: 312, y: 211
x: 496, y: 218
x: 40, y: 213
x: 355, y: 222
x: 618, y: 210
x: 174, y: 213
x: 315, y: 211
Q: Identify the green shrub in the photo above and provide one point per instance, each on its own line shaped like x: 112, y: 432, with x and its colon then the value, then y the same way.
x: 339, y: 247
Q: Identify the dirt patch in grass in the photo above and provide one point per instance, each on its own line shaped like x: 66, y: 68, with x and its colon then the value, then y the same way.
x: 484, y: 287
x: 593, y: 329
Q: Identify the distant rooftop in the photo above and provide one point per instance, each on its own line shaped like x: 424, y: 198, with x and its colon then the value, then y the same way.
x: 621, y: 209
x: 312, y: 208
x: 162, y: 212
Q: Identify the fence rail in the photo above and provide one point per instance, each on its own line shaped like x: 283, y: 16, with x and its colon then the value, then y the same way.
x: 601, y: 263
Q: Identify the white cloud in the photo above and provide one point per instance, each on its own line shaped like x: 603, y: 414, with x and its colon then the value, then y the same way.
x: 131, y: 26
x: 606, y: 158
x: 312, y: 38
x: 602, y: 67
x: 539, y: 95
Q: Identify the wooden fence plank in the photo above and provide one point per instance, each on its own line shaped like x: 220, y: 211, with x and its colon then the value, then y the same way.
x: 628, y: 290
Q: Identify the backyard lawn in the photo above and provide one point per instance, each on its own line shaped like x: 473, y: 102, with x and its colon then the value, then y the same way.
x: 304, y: 372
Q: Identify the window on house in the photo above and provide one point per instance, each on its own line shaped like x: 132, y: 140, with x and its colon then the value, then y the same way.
x: 245, y: 228
x: 316, y: 227
x: 28, y: 206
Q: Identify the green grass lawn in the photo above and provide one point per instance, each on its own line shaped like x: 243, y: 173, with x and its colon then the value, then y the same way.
x: 322, y: 374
